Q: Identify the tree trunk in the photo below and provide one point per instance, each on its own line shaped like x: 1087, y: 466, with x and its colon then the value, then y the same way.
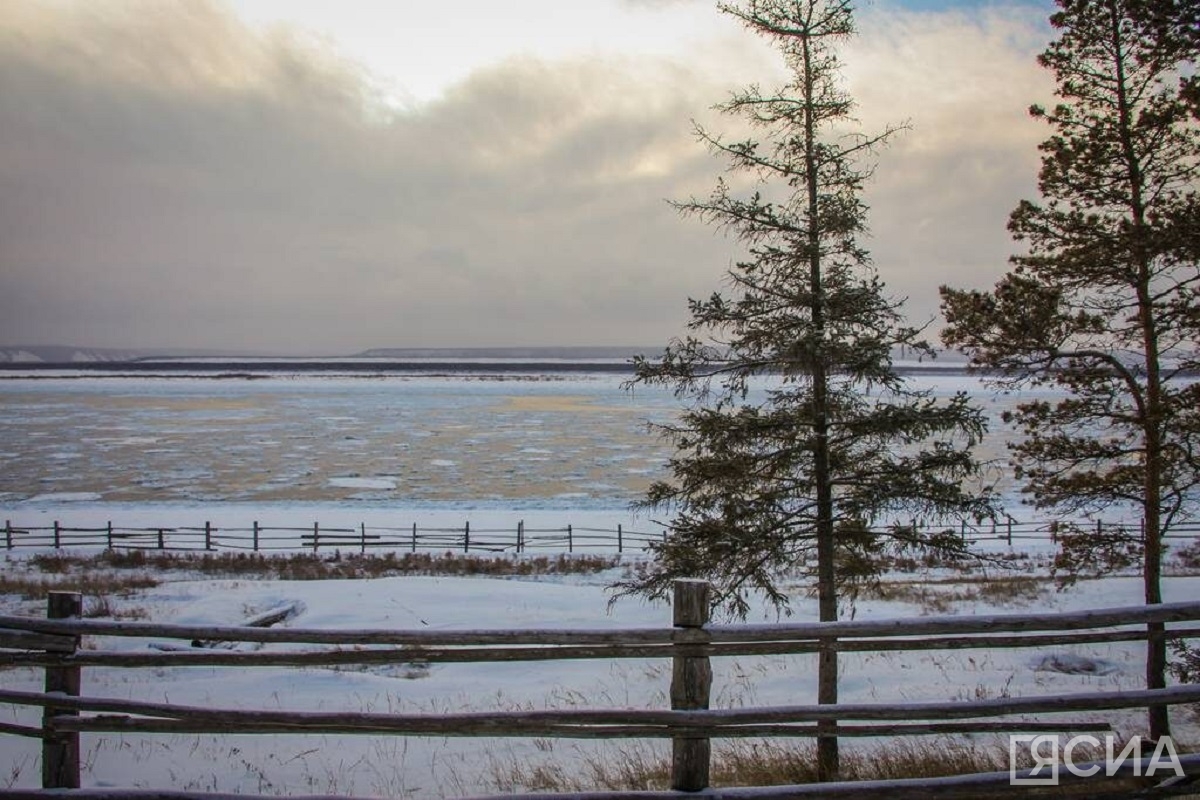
x: 1152, y: 410
x: 827, y: 667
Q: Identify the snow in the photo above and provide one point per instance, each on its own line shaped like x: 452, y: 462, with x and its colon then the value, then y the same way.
x: 65, y: 497
x: 363, y: 483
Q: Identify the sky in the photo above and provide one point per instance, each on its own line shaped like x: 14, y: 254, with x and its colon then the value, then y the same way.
x: 324, y: 176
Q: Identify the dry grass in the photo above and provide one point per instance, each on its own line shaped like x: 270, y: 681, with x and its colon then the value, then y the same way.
x: 940, y: 596
x: 755, y: 763
x: 769, y: 763
x: 123, y: 573
x: 332, y: 566
x: 89, y: 584
x: 625, y: 767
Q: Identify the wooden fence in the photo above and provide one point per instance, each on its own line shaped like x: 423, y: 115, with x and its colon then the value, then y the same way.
x: 517, y: 539
x: 54, y: 644
x: 362, y: 537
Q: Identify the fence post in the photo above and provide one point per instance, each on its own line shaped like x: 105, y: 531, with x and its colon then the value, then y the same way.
x: 60, y: 751
x: 316, y: 536
x: 620, y: 539
x: 110, y: 535
x: 162, y: 541
x: 256, y: 536
x: 8, y: 542
x: 691, y: 681
x: 521, y: 536
x: 467, y: 537
x: 207, y: 535
x: 1010, y: 531
x: 57, y: 535
x: 570, y: 540
x: 414, y: 538
x: 363, y: 531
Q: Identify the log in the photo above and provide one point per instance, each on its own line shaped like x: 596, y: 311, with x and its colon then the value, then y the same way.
x: 959, y: 786
x: 266, y: 619
x: 22, y: 730
x: 168, y: 655
x: 721, y: 634
x: 614, y: 636
x: 111, y: 723
x: 182, y: 655
x: 27, y: 640
x: 927, y: 626
x: 718, y: 720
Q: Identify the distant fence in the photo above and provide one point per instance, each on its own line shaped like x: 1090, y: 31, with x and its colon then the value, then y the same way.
x: 316, y: 537
x: 54, y: 644
x: 467, y: 538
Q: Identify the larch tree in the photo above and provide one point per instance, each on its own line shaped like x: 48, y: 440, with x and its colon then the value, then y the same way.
x: 800, y: 446
x: 1103, y: 303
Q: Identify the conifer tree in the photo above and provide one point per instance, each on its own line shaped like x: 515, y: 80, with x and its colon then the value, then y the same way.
x: 799, y: 438
x: 1103, y: 304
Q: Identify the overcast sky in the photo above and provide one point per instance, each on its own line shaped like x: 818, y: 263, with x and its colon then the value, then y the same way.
x: 324, y: 176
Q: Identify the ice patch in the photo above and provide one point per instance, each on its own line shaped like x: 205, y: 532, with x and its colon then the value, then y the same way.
x: 65, y: 497
x: 442, y: 462
x: 363, y: 483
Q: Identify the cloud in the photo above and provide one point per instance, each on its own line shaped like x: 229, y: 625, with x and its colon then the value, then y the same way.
x: 173, y: 177
x: 655, y: 5
x: 944, y: 185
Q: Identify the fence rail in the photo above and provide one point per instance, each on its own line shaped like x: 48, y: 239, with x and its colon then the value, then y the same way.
x: 520, y: 538
x: 54, y: 644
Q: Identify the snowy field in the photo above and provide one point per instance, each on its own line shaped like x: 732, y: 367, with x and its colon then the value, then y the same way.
x: 425, y: 767
x: 436, y: 451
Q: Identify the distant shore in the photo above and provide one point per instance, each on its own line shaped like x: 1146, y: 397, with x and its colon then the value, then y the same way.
x: 249, y: 368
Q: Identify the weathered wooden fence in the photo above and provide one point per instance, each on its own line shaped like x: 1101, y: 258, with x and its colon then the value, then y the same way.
x: 260, y: 538
x: 465, y: 538
x: 54, y: 644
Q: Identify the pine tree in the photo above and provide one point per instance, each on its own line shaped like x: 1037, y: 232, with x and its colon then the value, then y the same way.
x: 800, y: 438
x: 1103, y: 304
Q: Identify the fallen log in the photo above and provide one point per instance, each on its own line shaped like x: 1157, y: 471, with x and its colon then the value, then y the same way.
x: 266, y: 619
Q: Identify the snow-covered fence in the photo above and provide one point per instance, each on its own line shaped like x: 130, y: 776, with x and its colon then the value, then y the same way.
x: 467, y: 538
x: 54, y: 644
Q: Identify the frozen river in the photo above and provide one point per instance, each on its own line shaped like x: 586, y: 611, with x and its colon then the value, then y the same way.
x: 578, y: 440
x: 547, y: 441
